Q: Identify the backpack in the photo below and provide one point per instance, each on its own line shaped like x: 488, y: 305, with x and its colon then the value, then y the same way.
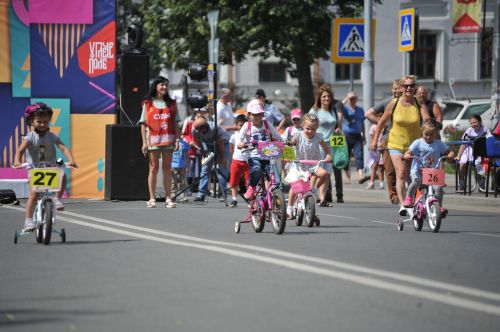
x: 266, y: 129
x: 8, y: 196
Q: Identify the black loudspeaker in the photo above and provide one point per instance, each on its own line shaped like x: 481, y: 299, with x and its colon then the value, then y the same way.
x: 134, y: 81
x: 126, y: 166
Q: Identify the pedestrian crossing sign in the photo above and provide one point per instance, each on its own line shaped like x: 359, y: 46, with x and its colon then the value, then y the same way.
x: 348, y: 44
x: 406, y: 31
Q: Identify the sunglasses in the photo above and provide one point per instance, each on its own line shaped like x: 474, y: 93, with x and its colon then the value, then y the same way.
x: 406, y: 86
x: 296, y: 119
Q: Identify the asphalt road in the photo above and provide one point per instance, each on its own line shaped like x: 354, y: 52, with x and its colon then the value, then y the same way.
x: 128, y: 268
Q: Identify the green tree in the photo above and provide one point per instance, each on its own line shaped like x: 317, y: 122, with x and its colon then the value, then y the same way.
x: 296, y: 31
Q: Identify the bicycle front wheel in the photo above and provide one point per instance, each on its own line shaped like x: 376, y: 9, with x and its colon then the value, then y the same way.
x: 278, y: 211
x: 434, y: 217
x: 310, y: 210
x: 47, y: 222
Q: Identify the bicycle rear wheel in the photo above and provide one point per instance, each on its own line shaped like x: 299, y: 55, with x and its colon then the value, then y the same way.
x: 47, y: 222
x: 278, y: 211
x: 310, y: 210
x: 257, y: 215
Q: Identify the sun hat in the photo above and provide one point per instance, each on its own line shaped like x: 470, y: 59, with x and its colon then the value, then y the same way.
x: 296, y: 113
x: 255, y: 107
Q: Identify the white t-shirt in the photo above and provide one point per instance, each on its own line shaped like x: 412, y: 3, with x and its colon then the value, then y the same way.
x: 238, y: 154
x: 258, y: 135
x: 225, y: 116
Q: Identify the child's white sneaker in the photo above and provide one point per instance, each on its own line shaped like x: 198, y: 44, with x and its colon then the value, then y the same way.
x: 58, y: 204
x: 370, y: 185
x: 381, y: 185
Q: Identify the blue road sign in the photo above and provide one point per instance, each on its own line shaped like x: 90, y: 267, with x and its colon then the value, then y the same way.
x: 406, y: 29
x: 349, y: 40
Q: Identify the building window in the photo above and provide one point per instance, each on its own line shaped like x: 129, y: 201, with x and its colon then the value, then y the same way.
x: 486, y: 53
x: 272, y: 72
x: 342, y: 72
x: 423, y: 58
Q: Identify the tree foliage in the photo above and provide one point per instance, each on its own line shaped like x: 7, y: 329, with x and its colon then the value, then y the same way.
x: 295, y: 31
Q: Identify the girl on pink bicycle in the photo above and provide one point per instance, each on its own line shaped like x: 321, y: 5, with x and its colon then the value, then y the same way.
x: 254, y: 131
x: 309, y: 145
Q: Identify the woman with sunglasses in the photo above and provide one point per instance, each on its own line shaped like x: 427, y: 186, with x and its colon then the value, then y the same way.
x: 405, y: 115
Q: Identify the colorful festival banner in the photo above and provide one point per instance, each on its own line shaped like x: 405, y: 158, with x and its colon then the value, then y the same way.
x: 78, y: 61
x: 63, y: 53
x: 61, y: 11
x: 13, y: 126
x: 466, y: 16
x: 20, y: 56
x: 89, y: 149
x: 5, y: 74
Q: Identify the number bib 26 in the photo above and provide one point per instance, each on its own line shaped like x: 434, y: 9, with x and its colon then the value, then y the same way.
x: 433, y: 177
x: 45, y: 179
x: 337, y: 141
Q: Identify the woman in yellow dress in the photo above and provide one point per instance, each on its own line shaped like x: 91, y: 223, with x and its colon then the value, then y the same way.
x: 405, y: 115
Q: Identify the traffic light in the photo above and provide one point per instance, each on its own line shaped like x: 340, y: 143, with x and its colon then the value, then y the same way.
x: 197, y: 72
x: 197, y: 100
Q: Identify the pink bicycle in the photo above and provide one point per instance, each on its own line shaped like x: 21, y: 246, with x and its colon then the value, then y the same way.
x: 304, y: 208
x: 269, y: 203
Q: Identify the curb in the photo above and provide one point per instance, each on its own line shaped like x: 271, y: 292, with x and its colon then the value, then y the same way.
x: 452, y: 200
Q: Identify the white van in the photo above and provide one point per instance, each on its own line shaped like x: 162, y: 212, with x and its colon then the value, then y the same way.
x: 457, y: 113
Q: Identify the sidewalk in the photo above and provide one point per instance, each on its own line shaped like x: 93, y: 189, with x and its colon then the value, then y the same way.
x: 356, y: 192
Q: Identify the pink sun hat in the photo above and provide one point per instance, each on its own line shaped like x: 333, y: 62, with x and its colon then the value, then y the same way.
x: 296, y: 113
x: 255, y: 107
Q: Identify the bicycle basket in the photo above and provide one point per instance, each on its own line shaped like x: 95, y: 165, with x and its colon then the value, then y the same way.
x: 270, y: 150
x: 300, y: 186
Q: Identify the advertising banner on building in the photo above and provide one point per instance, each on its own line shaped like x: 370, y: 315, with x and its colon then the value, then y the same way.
x: 466, y: 16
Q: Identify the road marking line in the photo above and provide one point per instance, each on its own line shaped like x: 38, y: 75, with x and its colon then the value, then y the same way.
x: 483, y: 234
x: 442, y: 286
x: 365, y: 281
x: 337, y: 216
x: 383, y: 222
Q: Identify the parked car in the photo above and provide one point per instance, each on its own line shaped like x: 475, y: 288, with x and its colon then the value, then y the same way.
x: 456, y: 113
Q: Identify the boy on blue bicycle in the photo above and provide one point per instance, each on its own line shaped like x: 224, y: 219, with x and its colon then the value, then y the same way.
x: 39, y: 145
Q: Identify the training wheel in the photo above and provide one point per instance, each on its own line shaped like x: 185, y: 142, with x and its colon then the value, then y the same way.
x: 237, y: 227
x: 317, y: 221
x: 400, y: 225
x: 63, y: 235
x: 15, y: 238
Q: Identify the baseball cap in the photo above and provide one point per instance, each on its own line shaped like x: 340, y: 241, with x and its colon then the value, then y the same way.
x: 260, y: 93
x: 255, y: 107
x: 296, y: 113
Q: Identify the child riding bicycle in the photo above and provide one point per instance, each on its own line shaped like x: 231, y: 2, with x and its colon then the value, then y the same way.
x: 427, y: 149
x: 308, y: 146
x: 254, y: 131
x: 39, y: 145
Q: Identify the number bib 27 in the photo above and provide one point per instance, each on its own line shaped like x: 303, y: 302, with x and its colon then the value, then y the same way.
x: 45, y: 179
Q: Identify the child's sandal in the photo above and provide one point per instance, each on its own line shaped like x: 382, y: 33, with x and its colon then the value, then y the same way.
x: 151, y: 203
x: 169, y: 204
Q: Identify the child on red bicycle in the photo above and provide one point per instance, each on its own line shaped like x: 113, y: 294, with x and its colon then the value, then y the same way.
x: 254, y: 131
x: 428, y: 149
x: 309, y: 145
x: 39, y: 145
